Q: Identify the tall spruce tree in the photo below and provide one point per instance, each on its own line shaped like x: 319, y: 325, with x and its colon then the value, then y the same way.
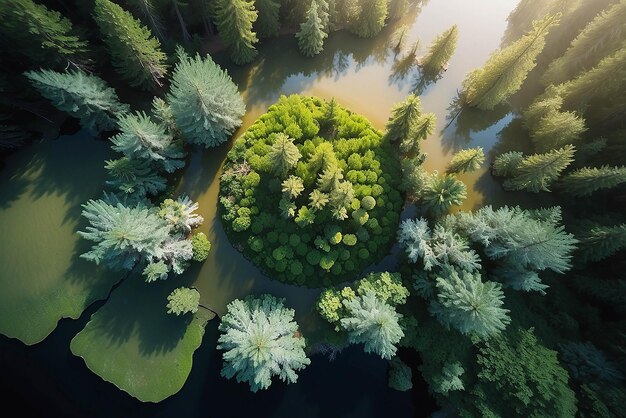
x: 311, y: 34
x: 505, y: 71
x: 135, y: 54
x: 442, y: 192
x: 83, y: 96
x: 149, y: 10
x: 284, y: 155
x: 42, y: 35
x: 556, y: 129
x: 466, y: 160
x: 204, y: 100
x: 371, y: 18
x: 603, y: 36
x: 137, y: 178
x: 404, y: 117
x: 234, y: 20
x: 587, y: 180
x: 599, y: 240
x: 440, y: 51
x: 267, y: 24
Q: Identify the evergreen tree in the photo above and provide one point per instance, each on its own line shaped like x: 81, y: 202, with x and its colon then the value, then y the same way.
x: 123, y: 235
x: 424, y: 127
x: 204, y: 100
x: 149, y: 10
x: 440, y: 51
x: 505, y: 71
x: 371, y: 18
x: 400, y: 375
x: 372, y: 322
x: 397, y: 9
x: 141, y: 138
x: 587, y: 364
x: 599, y: 241
x: 404, y: 117
x: 323, y: 11
x: 505, y: 165
x: 267, y: 24
x: 292, y: 187
x: 441, y: 192
x: 317, y: 200
x: 284, y: 155
x: 587, y: 180
x: 537, y: 172
x: 234, y: 20
x: 183, y: 300
x: 135, y: 177
x: 466, y: 160
x: 603, y: 36
x: 155, y: 271
x: 180, y: 215
x: 556, y: 129
x: 260, y: 340
x: 311, y: 35
x: 83, y: 96
x: 470, y: 306
x: 42, y: 35
x: 342, y: 195
x: 135, y: 54
x: 329, y: 178
x: 539, y: 108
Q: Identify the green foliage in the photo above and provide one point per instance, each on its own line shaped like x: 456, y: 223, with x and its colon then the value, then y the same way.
x: 183, y: 300
x: 404, y: 117
x: 83, y: 96
x: 204, y: 100
x: 42, y: 35
x: 267, y: 22
x: 371, y: 321
x: 469, y: 305
x: 260, y: 340
x: 556, y: 129
x: 135, y: 177
x: 142, y: 139
x: 311, y: 34
x: 414, y: 178
x: 180, y: 215
x: 588, y: 364
x: 440, y: 52
x: 599, y: 241
x: 400, y: 375
x: 442, y: 192
x: 505, y: 71
x: 536, y: 172
x: 155, y: 271
x: 450, y: 378
x: 234, y: 20
x: 135, y: 53
x: 371, y: 18
x: 466, y: 160
x: 505, y: 165
x: 587, y: 180
x: 319, y: 192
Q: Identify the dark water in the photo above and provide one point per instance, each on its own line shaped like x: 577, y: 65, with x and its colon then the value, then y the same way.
x: 360, y: 74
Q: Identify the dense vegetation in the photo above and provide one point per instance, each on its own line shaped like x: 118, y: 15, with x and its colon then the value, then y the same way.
x: 309, y: 192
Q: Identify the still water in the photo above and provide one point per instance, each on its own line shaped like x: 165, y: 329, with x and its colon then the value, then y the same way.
x: 363, y: 75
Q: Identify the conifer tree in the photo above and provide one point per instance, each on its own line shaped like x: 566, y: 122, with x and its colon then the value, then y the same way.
x: 404, y: 117
x: 537, y: 172
x: 284, y: 155
x: 603, y: 36
x: 267, y: 24
x: 505, y: 71
x: 424, y: 127
x: 83, y: 96
x: 441, y: 192
x: 600, y: 241
x: 140, y: 138
x: 587, y: 180
x: 135, y: 54
x: 205, y: 102
x: 149, y: 10
x: 323, y: 11
x: 234, y: 20
x: 134, y: 177
x: 42, y: 35
x: 466, y: 160
x: 260, y: 340
x: 318, y: 200
x: 292, y: 187
x: 183, y: 300
x: 311, y: 35
x: 556, y: 129
x: 399, y: 375
x: 505, y: 165
x: 371, y: 18
x: 397, y: 9
x: 440, y: 51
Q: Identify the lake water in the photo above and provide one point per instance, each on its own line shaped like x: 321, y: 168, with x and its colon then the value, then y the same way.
x: 361, y: 74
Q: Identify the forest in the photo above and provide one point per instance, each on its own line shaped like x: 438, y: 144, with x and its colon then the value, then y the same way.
x: 351, y: 208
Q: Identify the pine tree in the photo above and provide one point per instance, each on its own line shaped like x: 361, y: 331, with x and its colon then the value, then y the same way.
x: 149, y: 10
x: 267, y: 24
x: 424, y: 127
x: 155, y: 271
x: 83, y: 96
x: 556, y: 129
x: 537, y: 172
x: 260, y: 340
x: 323, y: 11
x: 134, y: 177
x: 42, y: 35
x: 292, y: 187
x: 329, y: 178
x: 599, y: 241
x: 505, y: 165
x: 371, y: 18
x: 469, y: 305
x: 414, y: 178
x: 183, y: 300
x: 141, y: 138
x: 440, y: 51
x: 180, y: 215
x: 135, y: 54
x: 234, y: 20
x: 284, y: 155
x: 587, y: 180
x: 204, y: 100
x: 374, y: 323
x: 317, y: 200
x: 466, y: 160
x: 342, y: 195
x: 123, y: 236
x: 441, y: 192
x: 505, y: 71
x: 603, y: 36
x: 311, y: 35
x: 403, y: 119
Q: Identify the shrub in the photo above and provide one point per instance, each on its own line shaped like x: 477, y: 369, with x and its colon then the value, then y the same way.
x: 201, y: 246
